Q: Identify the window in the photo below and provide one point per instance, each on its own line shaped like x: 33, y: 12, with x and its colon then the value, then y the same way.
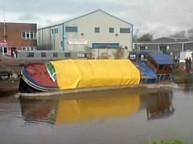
x: 31, y: 35
x: 43, y: 54
x: 30, y: 54
x: 105, y: 45
x: 97, y: 29
x: 124, y: 30
x: 55, y: 54
x: 5, y: 50
x: 34, y: 36
x: 71, y: 29
x: 54, y: 31
x: 33, y: 48
x: 142, y: 48
x: 28, y: 35
x: 111, y: 30
x: 23, y: 35
x: 61, y: 43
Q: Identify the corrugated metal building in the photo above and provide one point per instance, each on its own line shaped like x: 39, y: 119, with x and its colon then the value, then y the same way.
x: 166, y: 45
x: 96, y: 30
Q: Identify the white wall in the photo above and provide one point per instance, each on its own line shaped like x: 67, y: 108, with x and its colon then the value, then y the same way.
x: 184, y: 55
x: 87, y: 24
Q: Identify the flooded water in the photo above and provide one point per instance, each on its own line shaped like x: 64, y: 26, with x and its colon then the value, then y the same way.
x: 120, y: 116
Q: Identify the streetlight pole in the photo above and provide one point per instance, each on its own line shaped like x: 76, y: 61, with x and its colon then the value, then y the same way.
x: 4, y: 30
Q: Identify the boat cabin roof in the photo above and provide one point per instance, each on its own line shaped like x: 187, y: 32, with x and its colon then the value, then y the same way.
x: 160, y: 58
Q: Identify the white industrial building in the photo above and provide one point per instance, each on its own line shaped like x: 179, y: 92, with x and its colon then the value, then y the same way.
x: 98, y: 31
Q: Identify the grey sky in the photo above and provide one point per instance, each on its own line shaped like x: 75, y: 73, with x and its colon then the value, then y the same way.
x: 159, y: 17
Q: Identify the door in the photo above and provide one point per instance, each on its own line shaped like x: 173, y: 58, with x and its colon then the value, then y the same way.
x: 163, y: 49
x: 13, y: 50
x: 4, y: 50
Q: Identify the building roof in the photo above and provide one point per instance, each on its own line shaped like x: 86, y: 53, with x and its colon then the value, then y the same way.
x: 170, y: 39
x: 21, y: 23
x: 164, y: 40
x: 99, y: 10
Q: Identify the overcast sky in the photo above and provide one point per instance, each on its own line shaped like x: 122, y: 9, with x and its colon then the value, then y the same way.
x: 159, y: 17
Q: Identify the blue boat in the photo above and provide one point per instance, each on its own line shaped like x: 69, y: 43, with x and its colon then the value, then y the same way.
x: 155, y: 67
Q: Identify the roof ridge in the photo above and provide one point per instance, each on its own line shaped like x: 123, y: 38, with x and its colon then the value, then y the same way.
x: 97, y: 10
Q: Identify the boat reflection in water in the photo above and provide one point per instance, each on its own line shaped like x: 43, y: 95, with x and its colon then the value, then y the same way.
x: 84, y: 106
x: 160, y: 105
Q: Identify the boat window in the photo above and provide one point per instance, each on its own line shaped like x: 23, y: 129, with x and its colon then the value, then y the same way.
x: 161, y: 66
x: 132, y: 56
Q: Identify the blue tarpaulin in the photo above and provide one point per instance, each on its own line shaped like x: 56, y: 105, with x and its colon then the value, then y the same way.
x: 146, y: 70
x: 160, y: 58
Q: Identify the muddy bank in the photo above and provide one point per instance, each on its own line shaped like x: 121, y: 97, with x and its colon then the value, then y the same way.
x: 8, y: 87
x: 15, y: 65
x: 11, y: 68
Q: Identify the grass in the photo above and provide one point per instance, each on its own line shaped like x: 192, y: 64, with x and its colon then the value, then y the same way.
x: 169, y: 142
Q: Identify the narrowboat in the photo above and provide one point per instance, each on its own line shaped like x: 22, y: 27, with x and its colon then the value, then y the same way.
x: 76, y: 74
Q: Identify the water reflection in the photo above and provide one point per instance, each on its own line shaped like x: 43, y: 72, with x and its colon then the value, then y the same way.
x: 160, y: 105
x: 187, y: 88
x: 86, y: 106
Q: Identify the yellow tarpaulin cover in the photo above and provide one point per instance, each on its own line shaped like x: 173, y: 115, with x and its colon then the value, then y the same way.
x: 73, y: 74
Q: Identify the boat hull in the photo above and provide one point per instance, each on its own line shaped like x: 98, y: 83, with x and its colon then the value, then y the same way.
x: 36, y: 80
x: 26, y: 88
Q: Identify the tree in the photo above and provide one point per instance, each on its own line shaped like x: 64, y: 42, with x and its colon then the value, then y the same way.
x: 180, y: 34
x: 135, y: 38
x: 146, y: 37
x: 190, y: 32
x: 119, y: 53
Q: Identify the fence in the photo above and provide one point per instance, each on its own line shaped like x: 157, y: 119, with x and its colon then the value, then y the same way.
x: 50, y: 54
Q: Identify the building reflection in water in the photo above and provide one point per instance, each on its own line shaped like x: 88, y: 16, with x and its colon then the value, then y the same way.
x: 85, y: 106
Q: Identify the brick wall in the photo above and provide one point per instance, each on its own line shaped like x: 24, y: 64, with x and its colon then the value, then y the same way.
x: 14, y: 34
